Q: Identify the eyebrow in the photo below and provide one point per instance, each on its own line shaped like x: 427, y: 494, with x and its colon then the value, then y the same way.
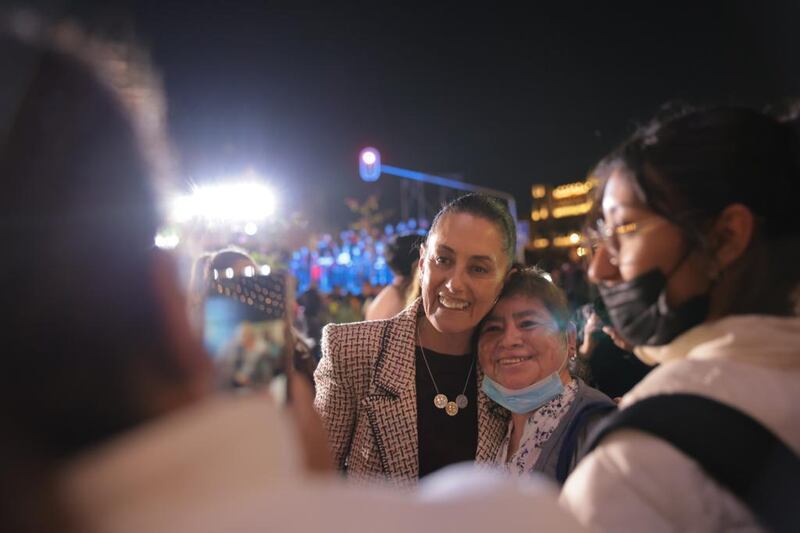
x: 528, y: 313
x: 518, y: 315
x: 446, y: 248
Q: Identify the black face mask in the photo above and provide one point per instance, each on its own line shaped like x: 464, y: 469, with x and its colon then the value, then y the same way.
x: 639, y: 311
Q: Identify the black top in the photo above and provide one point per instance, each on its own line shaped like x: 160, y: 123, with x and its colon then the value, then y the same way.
x: 445, y: 439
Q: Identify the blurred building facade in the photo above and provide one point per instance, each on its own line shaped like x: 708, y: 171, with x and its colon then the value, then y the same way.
x: 558, y: 214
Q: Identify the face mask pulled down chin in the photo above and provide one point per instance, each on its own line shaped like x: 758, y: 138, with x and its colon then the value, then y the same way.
x: 640, y: 314
x: 524, y: 400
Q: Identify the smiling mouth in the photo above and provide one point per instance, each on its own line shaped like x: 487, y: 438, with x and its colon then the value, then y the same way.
x: 453, y: 303
x: 512, y: 361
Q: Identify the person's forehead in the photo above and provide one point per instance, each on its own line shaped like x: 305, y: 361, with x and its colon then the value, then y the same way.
x: 619, y: 193
x: 469, y: 235
x: 519, y: 305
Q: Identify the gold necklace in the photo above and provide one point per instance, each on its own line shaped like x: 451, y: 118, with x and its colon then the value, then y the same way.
x: 440, y: 400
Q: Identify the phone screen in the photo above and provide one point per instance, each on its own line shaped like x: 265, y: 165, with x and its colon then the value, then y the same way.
x: 245, y: 333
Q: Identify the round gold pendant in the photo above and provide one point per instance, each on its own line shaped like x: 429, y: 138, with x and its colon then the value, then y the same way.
x: 451, y: 409
x: 440, y: 400
x: 461, y: 401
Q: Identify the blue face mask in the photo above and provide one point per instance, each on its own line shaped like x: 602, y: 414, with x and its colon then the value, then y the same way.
x: 527, y: 399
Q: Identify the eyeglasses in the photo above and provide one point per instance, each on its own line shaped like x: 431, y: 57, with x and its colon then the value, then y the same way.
x: 609, y: 235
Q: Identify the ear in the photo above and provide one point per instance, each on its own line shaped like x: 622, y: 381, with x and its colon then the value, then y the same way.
x: 184, y: 346
x: 732, y: 233
x: 421, y: 261
x: 571, y: 336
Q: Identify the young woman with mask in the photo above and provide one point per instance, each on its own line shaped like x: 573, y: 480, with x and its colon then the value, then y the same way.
x: 697, y: 258
x: 523, y: 349
x: 400, y: 397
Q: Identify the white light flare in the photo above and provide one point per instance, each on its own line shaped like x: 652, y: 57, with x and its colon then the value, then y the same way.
x: 167, y: 241
x: 236, y: 202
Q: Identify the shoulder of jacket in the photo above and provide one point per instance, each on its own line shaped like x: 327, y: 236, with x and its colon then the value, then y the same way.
x: 354, y: 336
x: 590, y: 394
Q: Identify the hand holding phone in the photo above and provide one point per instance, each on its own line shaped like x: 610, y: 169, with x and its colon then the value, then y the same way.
x: 246, y: 332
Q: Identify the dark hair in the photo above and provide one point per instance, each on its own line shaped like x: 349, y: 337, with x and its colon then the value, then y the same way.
x: 690, y: 167
x: 402, y: 253
x: 84, y: 321
x: 531, y: 282
x: 488, y: 208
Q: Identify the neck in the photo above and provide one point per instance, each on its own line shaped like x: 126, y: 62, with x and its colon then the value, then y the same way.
x: 519, y: 420
x: 443, y: 343
x: 399, y: 280
x: 518, y: 429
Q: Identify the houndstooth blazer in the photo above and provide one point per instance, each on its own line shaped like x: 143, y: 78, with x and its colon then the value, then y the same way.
x: 366, y: 396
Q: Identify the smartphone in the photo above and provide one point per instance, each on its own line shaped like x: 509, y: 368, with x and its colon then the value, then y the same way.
x: 246, y: 332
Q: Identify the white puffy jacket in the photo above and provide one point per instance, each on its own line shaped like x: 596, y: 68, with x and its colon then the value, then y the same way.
x: 635, y: 482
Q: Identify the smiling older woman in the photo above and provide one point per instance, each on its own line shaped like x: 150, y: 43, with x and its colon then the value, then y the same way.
x: 523, y: 349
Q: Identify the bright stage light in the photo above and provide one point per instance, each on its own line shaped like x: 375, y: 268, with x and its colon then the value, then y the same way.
x: 167, y: 241
x: 236, y: 202
x: 250, y: 228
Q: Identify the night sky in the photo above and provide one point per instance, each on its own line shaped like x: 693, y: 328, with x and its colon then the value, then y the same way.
x: 502, y: 97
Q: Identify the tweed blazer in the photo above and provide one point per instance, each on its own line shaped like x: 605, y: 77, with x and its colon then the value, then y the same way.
x: 367, y: 398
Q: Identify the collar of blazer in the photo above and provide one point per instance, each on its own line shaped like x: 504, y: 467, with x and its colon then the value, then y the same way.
x: 395, y: 364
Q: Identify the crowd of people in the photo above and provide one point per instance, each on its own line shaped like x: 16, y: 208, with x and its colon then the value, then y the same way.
x: 353, y: 263
x: 113, y: 414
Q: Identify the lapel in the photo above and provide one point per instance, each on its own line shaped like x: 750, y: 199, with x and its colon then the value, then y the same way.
x: 492, y: 425
x: 391, y: 404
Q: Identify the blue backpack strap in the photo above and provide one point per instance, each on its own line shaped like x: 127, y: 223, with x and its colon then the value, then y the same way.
x: 731, y: 447
x: 569, y: 447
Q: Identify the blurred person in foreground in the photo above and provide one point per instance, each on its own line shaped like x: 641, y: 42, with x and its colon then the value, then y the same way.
x: 105, y: 396
x: 402, y: 256
x: 697, y: 254
x: 103, y: 379
x: 524, y: 345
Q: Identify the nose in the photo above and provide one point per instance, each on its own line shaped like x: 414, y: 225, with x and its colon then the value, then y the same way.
x: 455, y: 284
x: 601, y: 268
x: 511, y: 337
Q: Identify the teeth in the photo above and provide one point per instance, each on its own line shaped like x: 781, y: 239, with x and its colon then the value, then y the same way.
x: 452, y: 304
x: 512, y: 360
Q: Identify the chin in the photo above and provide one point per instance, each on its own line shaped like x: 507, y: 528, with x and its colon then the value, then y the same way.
x: 515, y: 381
x: 452, y: 324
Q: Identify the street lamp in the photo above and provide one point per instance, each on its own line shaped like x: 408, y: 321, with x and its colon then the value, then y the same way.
x: 369, y: 164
